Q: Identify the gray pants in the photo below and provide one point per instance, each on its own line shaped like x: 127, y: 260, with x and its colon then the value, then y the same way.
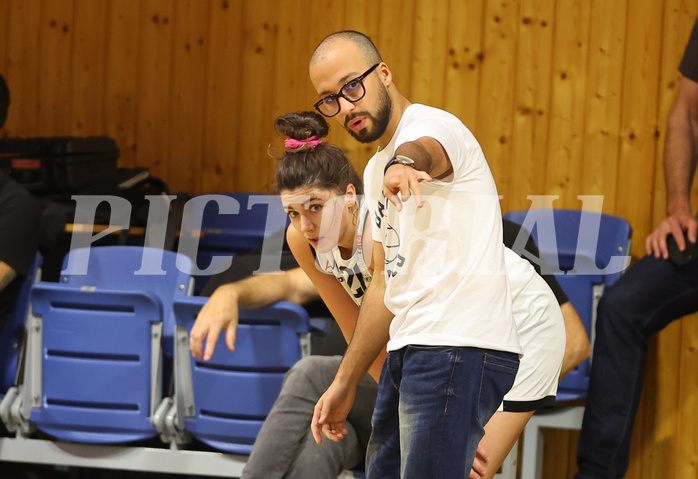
x: 285, y: 447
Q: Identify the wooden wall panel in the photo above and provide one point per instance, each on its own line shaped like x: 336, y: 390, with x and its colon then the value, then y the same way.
x: 685, y: 457
x: 188, y: 95
x: 4, y: 20
x: 224, y: 81
x: 360, y: 16
x: 429, y: 54
x: 531, y: 111
x: 398, y: 42
x: 55, y: 75
x: 601, y: 135
x: 154, y: 69
x: 22, y: 72
x: 639, y: 114
x: 567, y: 98
x: 655, y: 433
x: 121, y: 84
x: 254, y: 169
x: 496, y: 102
x: 464, y: 65
x: 89, y: 70
x: 567, y: 101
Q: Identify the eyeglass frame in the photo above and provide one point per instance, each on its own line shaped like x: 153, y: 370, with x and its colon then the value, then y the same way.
x: 339, y: 94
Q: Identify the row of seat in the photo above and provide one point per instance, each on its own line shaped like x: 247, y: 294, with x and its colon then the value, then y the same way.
x: 107, y: 357
x: 100, y: 349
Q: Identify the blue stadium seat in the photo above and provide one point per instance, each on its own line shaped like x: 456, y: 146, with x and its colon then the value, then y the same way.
x: 95, y: 355
x: 224, y: 401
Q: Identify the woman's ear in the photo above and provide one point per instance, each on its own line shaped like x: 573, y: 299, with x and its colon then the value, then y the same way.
x: 350, y: 195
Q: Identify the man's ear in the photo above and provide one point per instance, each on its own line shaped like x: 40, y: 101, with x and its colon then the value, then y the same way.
x: 384, y: 73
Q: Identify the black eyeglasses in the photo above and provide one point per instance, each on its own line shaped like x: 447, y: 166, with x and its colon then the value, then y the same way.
x: 352, y: 91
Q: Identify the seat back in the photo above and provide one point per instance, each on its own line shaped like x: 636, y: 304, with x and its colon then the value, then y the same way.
x: 227, y: 225
x: 578, y: 241
x: 96, y: 356
x: 234, y: 391
x: 12, y: 334
x: 163, y: 273
x: 586, y: 251
x: 95, y: 363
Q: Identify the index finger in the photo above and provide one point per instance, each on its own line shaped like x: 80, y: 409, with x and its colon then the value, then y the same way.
x: 692, y: 230
x: 196, y: 340
x: 315, y: 423
x: 390, y: 190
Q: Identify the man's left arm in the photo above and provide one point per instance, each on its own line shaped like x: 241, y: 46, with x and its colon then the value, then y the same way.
x: 430, y: 161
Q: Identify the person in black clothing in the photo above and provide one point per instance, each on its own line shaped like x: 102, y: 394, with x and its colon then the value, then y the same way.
x: 20, y: 214
x: 4, y: 100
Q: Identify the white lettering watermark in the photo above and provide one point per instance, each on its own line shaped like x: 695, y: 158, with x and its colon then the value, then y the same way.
x: 570, y: 248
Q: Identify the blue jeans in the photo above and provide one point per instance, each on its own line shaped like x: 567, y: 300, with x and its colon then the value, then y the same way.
x: 648, y: 297
x: 432, y: 405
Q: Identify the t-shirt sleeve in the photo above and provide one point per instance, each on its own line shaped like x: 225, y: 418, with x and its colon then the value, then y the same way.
x: 20, y: 216
x: 443, y: 131
x: 689, y: 63
x: 511, y: 232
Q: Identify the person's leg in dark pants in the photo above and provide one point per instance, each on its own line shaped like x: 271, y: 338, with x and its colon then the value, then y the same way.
x: 648, y: 297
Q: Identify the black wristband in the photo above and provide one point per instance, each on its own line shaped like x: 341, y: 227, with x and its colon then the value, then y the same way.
x: 400, y: 160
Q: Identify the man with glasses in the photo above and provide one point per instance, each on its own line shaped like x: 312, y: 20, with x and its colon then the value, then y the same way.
x: 443, y: 305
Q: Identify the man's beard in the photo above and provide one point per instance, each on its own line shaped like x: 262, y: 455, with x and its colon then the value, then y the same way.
x: 380, y: 121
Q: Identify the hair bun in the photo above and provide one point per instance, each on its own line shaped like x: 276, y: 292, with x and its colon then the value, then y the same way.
x: 302, y: 125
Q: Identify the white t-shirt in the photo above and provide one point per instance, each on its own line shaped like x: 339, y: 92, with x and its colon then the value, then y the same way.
x: 446, y: 279
x: 539, y: 322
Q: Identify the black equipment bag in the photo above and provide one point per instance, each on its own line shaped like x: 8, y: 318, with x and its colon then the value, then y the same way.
x: 60, y: 164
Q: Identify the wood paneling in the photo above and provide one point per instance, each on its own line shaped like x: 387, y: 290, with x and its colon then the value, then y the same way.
x: 567, y: 97
x: 121, y: 84
x: 88, y: 102
x: 22, y: 63
x: 154, y: 85
x: 498, y: 76
x: 531, y: 109
x: 55, y: 60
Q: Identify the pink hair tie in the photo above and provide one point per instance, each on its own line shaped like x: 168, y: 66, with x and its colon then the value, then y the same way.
x: 293, y: 144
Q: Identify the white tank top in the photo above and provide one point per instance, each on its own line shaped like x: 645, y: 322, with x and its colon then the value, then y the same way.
x: 352, y: 273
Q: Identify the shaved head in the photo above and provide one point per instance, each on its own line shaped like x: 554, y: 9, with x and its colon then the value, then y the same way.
x: 364, y: 45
